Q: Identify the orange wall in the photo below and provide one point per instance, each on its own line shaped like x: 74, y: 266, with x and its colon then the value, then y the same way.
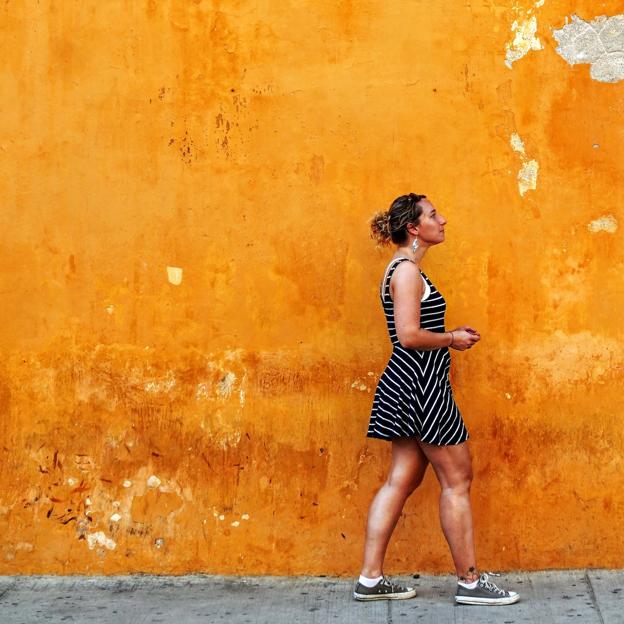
x: 218, y: 424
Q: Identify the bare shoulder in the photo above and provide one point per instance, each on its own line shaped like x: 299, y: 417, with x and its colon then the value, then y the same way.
x: 406, y: 279
x: 406, y: 271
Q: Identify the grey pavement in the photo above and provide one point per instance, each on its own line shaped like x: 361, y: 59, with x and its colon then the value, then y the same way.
x: 584, y: 596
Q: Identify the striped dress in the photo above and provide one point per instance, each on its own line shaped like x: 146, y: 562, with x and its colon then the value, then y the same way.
x: 414, y: 397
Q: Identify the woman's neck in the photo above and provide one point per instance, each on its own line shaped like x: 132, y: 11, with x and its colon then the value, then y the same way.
x: 407, y: 252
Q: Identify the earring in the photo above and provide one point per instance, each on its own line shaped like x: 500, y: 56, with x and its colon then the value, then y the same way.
x: 415, y: 245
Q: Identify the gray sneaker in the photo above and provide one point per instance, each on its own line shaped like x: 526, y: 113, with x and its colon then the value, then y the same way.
x: 384, y: 590
x: 485, y: 593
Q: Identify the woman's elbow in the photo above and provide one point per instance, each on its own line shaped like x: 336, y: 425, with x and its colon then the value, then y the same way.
x: 410, y: 339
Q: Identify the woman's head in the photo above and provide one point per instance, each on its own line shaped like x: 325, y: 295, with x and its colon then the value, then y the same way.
x: 393, y: 224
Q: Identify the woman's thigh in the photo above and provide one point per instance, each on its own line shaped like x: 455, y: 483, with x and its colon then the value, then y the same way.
x: 452, y: 464
x: 409, y: 462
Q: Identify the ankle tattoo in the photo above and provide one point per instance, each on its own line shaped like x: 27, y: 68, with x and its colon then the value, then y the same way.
x: 471, y: 575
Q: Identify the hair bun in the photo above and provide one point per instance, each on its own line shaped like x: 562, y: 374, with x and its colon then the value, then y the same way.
x: 380, y: 228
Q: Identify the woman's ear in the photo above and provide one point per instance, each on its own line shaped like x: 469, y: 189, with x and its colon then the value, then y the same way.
x: 412, y: 229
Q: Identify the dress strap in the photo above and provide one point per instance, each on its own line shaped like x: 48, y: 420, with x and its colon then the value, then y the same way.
x: 385, y: 283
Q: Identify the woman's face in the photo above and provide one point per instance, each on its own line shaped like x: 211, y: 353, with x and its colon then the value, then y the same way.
x: 430, y: 227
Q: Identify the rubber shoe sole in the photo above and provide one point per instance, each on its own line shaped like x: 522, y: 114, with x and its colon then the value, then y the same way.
x: 400, y: 596
x: 490, y: 602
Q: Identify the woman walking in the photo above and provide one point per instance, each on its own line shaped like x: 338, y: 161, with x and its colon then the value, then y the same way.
x: 414, y: 408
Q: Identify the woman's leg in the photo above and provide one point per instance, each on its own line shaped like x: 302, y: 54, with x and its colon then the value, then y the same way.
x: 408, y: 468
x: 453, y: 468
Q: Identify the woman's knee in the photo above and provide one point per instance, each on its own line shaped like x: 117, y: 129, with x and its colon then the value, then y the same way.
x: 460, y: 481
x: 405, y: 482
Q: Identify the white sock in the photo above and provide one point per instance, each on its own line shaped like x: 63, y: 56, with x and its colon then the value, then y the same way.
x: 468, y: 585
x: 368, y: 582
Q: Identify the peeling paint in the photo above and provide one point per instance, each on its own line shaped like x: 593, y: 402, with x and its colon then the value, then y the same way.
x: 174, y: 275
x: 517, y: 144
x: 99, y: 539
x: 525, y: 39
x: 599, y: 43
x: 161, y: 385
x: 607, y: 223
x: 153, y: 482
x: 527, y: 176
x: 226, y: 385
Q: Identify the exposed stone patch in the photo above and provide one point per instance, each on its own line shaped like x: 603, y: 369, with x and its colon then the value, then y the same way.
x: 599, y: 43
x: 607, y: 223
x: 525, y: 38
x: 527, y: 174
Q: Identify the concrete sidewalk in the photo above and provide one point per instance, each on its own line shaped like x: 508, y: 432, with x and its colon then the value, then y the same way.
x: 587, y: 597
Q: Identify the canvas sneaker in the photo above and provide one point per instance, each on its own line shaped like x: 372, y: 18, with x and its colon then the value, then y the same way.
x: 485, y: 593
x: 384, y: 590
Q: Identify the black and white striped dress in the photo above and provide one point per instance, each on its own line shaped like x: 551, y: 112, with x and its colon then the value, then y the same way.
x: 414, y: 397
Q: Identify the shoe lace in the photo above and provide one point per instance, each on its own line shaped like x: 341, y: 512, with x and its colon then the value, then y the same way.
x: 487, y: 584
x: 393, y: 586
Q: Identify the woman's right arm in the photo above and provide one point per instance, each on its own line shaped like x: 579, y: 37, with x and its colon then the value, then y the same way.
x: 406, y: 289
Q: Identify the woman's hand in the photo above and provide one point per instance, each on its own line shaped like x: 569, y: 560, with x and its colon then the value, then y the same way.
x: 464, y: 337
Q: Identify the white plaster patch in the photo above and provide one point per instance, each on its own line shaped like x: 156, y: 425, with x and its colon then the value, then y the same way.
x: 153, y: 482
x: 110, y: 308
x: 127, y: 483
x: 71, y: 481
x: 607, y: 223
x: 524, y: 40
x: 245, y: 517
x: 115, y: 517
x: 88, y: 501
x: 99, y: 539
x: 599, y: 43
x: 527, y: 176
x: 160, y: 385
x: 25, y: 546
x: 235, y: 523
x: 159, y: 542
x: 226, y: 385
x: 360, y: 385
x: 231, y: 438
x: 517, y: 144
x: 174, y: 275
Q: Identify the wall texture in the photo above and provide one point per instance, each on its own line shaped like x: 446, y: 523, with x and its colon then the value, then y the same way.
x: 191, y: 332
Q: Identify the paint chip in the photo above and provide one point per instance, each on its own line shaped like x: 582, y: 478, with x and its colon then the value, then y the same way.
x: 607, y: 223
x: 153, y: 482
x: 524, y: 40
x: 115, y: 517
x: 517, y: 144
x: 127, y: 483
x: 235, y: 523
x: 600, y: 43
x: 527, y: 176
x: 245, y: 517
x: 99, y: 539
x: 226, y: 385
x: 174, y: 275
